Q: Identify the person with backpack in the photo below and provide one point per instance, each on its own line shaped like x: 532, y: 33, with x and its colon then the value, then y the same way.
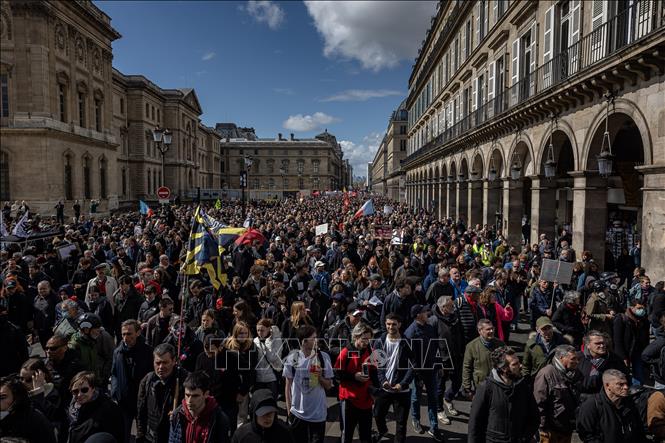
x: 654, y: 355
x: 308, y: 372
x: 354, y: 372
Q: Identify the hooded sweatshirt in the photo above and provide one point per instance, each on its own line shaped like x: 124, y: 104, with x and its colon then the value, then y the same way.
x: 253, y: 433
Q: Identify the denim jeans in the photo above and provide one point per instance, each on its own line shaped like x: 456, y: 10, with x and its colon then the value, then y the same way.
x: 429, y: 380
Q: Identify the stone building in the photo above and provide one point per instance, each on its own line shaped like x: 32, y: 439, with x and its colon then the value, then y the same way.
x: 280, y: 166
x: 56, y: 85
x: 74, y: 128
x: 513, y: 103
x: 387, y: 173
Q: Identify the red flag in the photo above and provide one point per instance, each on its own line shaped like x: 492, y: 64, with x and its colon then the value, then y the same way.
x: 347, y: 203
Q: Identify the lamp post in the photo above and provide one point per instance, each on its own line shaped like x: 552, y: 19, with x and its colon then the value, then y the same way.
x: 162, y: 139
x: 605, y: 158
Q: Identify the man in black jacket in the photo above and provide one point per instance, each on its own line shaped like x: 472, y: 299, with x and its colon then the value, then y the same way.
x: 399, y: 302
x: 503, y: 408
x: 158, y: 393
x: 595, y: 360
x: 198, y: 418
x: 440, y: 287
x: 131, y: 362
x: 610, y: 416
x: 265, y: 426
x: 451, y: 344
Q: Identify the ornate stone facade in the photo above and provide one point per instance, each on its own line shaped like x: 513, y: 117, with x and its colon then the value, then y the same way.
x: 74, y: 128
x: 509, y: 112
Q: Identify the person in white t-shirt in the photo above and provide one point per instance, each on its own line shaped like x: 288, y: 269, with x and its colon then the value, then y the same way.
x: 308, y: 373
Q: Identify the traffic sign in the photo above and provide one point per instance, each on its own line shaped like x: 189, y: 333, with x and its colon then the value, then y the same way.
x: 164, y: 194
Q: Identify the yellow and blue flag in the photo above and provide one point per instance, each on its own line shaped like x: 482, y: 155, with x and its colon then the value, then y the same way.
x: 203, y: 252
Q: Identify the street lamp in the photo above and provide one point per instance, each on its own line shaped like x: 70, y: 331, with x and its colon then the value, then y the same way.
x: 550, y: 164
x: 516, y: 168
x: 492, y: 172
x: 162, y: 139
x: 605, y: 157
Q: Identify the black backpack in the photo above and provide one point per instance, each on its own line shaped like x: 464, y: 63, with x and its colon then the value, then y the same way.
x: 641, y: 399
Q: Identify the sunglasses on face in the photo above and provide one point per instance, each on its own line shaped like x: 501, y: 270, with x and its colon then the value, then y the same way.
x: 83, y: 390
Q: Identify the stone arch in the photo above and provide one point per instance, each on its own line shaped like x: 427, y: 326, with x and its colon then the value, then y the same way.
x: 630, y: 109
x: 564, y: 127
x: 464, y: 167
x: 528, y: 145
x: 496, y: 160
x: 478, y: 163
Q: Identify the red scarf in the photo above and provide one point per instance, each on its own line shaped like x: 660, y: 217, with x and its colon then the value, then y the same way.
x: 198, y: 428
x: 474, y: 305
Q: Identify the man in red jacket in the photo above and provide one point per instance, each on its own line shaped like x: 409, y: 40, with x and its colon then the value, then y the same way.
x: 354, y: 372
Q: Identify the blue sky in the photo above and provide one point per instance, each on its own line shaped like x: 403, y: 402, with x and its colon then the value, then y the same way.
x: 283, y: 67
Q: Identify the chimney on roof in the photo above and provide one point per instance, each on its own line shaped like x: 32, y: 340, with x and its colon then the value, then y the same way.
x: 292, y: 138
x: 279, y: 136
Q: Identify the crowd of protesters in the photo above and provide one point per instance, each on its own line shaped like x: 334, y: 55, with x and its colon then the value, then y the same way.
x: 134, y: 349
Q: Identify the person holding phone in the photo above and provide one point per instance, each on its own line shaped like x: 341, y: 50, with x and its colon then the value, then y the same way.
x: 356, y: 376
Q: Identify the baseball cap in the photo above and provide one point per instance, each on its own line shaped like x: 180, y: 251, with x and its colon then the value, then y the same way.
x: 543, y: 321
x: 319, y: 264
x: 419, y: 309
x: 263, y: 410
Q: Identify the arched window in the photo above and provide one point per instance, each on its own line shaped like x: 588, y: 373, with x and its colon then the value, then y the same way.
x: 102, y: 178
x: 69, y: 179
x: 4, y: 176
x: 87, y: 184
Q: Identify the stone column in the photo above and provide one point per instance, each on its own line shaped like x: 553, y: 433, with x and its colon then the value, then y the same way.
x: 443, y: 199
x: 463, y: 201
x: 653, y: 221
x: 589, y: 214
x: 543, y: 207
x: 475, y: 202
x: 452, y: 200
x: 512, y: 211
x: 491, y: 200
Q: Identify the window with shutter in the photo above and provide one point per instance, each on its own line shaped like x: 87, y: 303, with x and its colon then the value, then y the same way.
x: 599, y: 32
x: 644, y: 12
x: 475, y: 94
x: 548, y: 47
x: 490, y: 81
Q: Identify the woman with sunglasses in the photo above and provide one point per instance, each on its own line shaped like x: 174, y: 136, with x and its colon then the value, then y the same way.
x: 91, y: 412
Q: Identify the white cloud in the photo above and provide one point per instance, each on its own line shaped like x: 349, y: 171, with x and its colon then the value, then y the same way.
x: 304, y: 123
x: 266, y: 12
x: 360, y: 95
x: 285, y: 91
x: 208, y: 56
x: 359, y: 154
x: 376, y: 33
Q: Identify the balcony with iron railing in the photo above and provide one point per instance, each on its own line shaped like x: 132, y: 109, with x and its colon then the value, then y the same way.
x: 625, y: 29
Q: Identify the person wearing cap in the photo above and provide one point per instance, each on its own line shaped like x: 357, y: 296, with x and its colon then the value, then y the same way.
x: 339, y: 334
x: 422, y: 335
x: 539, y: 345
x: 265, y: 426
x: 322, y: 276
x: 467, y: 307
x: 94, y: 346
x: 370, y: 297
x: 198, y: 419
x: 106, y: 285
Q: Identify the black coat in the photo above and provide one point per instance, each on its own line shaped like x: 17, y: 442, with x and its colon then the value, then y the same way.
x: 99, y: 415
x: 27, y: 423
x: 599, y: 421
x: 130, y: 365
x: 630, y: 337
x: 253, y: 433
x: 155, y: 401
x: 14, y: 346
x: 450, y: 329
x: 592, y: 384
x: 503, y: 413
x: 569, y: 322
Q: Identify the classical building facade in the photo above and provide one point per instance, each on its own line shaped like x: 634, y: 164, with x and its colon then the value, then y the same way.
x: 388, y: 178
x: 281, y: 165
x: 73, y: 128
x: 513, y: 103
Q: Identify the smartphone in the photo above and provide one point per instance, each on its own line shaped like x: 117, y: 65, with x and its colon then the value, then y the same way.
x: 365, y: 369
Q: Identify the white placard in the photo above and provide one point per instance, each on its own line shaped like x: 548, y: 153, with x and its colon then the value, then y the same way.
x: 556, y: 271
x: 387, y: 209
x: 322, y: 229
